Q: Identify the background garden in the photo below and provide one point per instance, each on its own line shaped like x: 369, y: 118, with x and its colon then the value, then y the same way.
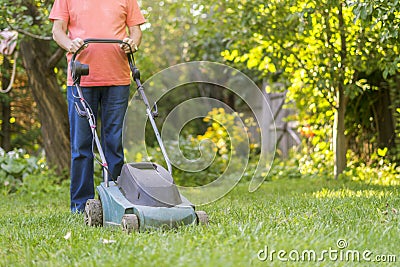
x: 336, y: 63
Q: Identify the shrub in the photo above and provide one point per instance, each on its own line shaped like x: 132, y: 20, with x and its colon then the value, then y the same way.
x: 15, y: 166
x: 380, y: 171
x: 215, y: 147
x: 317, y: 160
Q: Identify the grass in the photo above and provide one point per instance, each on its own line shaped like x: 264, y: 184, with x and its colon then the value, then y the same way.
x: 36, y: 229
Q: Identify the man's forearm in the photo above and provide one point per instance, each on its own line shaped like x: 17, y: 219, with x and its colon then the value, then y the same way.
x: 135, y: 33
x: 60, y: 36
x: 62, y: 39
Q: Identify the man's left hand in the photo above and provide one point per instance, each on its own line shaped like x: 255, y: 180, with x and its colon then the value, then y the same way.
x: 132, y: 45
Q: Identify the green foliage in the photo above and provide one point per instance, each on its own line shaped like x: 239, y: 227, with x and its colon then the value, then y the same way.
x: 189, y: 149
x: 285, y: 169
x: 30, y: 19
x: 17, y: 167
x: 225, y: 130
x: 168, y: 34
x: 297, y: 43
x: 222, y: 145
x: 380, y: 172
x: 27, y: 16
x: 42, y: 183
x: 312, y: 161
x: 318, y: 161
x: 383, y: 18
x: 316, y: 49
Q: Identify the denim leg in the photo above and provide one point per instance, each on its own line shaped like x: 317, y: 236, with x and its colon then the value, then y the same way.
x: 82, y: 187
x: 114, y: 102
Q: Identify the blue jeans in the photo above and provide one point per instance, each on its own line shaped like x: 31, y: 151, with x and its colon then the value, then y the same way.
x: 112, y: 101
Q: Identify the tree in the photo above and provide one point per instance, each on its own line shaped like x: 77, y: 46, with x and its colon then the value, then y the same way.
x: 383, y: 20
x: 166, y: 35
x: 5, y: 107
x: 178, y: 32
x: 314, y: 47
x: 327, y: 58
x: 29, y: 17
x: 18, y: 113
x: 286, y: 38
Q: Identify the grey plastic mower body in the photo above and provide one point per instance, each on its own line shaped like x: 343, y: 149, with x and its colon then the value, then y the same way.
x: 147, y: 191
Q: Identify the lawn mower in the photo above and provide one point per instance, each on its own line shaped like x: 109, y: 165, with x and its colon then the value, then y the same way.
x: 144, y: 196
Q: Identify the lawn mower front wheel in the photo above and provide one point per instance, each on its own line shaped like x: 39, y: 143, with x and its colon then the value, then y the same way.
x: 130, y: 223
x: 202, y: 217
x: 93, y: 213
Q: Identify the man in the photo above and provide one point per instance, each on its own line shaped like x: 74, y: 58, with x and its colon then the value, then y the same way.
x: 107, y: 85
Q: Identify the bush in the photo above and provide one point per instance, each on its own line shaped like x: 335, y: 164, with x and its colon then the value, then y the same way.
x: 318, y: 161
x: 15, y: 166
x: 189, y: 149
x: 380, y: 171
x: 215, y: 147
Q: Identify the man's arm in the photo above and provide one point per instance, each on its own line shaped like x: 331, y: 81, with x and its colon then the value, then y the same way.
x: 60, y: 28
x: 134, y: 40
x: 135, y: 33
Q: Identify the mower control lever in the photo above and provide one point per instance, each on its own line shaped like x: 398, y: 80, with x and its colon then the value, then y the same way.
x: 135, y: 73
x: 81, y: 112
x: 155, y: 112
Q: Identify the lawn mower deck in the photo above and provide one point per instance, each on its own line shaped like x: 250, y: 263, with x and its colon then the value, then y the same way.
x: 144, y: 198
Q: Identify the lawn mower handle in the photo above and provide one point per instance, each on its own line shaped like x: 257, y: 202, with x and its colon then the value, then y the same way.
x: 131, y: 59
x: 99, y: 41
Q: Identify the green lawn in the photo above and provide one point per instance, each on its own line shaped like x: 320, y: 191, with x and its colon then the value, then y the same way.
x: 294, y: 216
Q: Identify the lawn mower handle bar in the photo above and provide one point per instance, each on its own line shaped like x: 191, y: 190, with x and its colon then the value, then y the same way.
x: 99, y: 41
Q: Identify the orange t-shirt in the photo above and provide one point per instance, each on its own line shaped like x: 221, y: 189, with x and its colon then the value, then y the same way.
x: 105, y: 19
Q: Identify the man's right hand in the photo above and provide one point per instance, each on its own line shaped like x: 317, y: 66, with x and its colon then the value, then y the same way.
x: 75, y: 45
x: 60, y: 36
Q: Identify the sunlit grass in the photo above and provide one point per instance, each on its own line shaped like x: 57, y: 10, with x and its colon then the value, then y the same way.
x: 348, y: 193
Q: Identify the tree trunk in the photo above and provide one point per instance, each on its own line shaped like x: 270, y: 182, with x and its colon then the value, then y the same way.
x: 5, y: 126
x: 51, y: 104
x: 339, y: 138
x: 384, y: 119
x: 5, y: 108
